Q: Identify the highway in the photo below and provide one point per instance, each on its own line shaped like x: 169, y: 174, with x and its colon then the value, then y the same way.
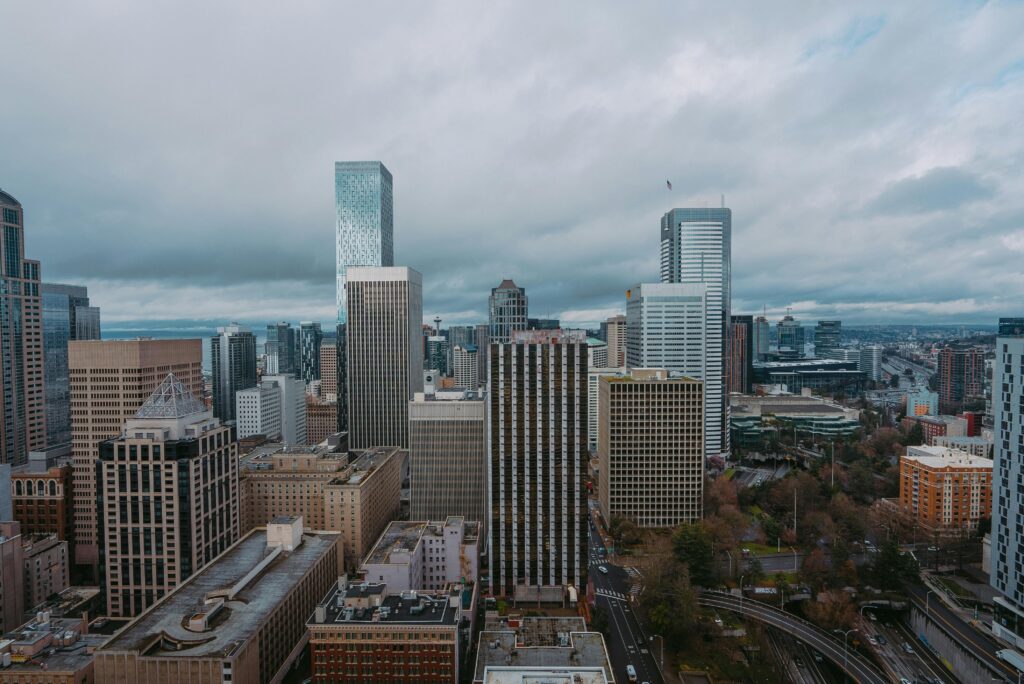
x: 627, y: 642
x: 853, y: 663
x: 977, y: 644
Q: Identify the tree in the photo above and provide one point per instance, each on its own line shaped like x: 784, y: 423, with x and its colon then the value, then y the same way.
x: 692, y: 545
x: 915, y: 436
x: 599, y: 620
x: 890, y: 566
x: 670, y: 603
x: 814, y: 569
x: 832, y: 610
x: 755, y: 571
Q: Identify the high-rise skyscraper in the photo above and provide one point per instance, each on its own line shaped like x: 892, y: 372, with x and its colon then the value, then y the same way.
x: 329, y: 370
x: 281, y: 350
x: 466, y: 367
x: 961, y: 372
x: 384, y: 358
x: 696, y: 248
x: 23, y: 419
x: 667, y: 327
x: 538, y: 455
x: 651, y: 449
x: 365, y: 220
x: 233, y: 361
x: 66, y: 316
x: 826, y: 337
x: 1007, y: 498
x: 741, y: 354
x: 310, y: 336
x: 870, y: 362
x: 791, y: 338
x: 448, y: 457
x: 437, y: 354
x: 175, y: 469
x: 110, y: 380
x: 483, y: 356
x: 761, y: 335
x: 508, y: 308
x: 615, y: 336
x: 459, y: 336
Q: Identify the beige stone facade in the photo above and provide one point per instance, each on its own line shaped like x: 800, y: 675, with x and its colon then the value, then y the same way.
x: 321, y: 420
x: 650, y: 453
x: 109, y: 381
x: 276, y: 481
x: 361, y: 502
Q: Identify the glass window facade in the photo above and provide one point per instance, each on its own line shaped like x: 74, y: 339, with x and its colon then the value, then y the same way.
x: 363, y: 200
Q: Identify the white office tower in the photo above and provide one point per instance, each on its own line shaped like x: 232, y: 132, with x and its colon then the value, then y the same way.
x: 668, y: 327
x: 275, y: 408
x: 594, y: 376
x: 537, y: 431
x: 384, y: 356
x: 696, y: 248
x: 466, y: 367
x: 1007, y: 497
x: 870, y: 362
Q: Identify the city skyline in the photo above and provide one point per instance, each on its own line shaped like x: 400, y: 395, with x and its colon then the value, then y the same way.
x: 895, y: 173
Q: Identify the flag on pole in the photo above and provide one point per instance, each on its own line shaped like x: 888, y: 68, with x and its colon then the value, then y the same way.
x: 669, y: 184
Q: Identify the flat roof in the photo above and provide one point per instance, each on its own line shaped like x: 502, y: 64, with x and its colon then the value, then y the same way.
x: 366, y: 465
x: 544, y: 675
x: 242, y: 616
x: 404, y: 535
x: 540, y: 642
x: 946, y: 457
x: 407, y: 608
x: 71, y: 658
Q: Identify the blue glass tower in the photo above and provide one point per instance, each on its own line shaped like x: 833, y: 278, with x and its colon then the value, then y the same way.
x: 362, y: 193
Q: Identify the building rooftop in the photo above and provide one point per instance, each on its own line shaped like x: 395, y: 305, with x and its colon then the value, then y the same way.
x: 404, y: 536
x: 540, y: 642
x: 370, y: 602
x: 267, y: 457
x: 548, y: 336
x: 364, y: 466
x: 170, y: 399
x: 544, y: 675
x: 164, y: 630
x: 53, y: 644
x: 945, y: 457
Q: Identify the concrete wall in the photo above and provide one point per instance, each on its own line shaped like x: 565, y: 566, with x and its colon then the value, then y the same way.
x: 965, y: 666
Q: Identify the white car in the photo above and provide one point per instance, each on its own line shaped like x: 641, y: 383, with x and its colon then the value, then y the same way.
x: 603, y: 569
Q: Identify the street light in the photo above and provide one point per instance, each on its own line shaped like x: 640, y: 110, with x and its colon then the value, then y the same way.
x: 661, y: 665
x: 926, y: 611
x: 846, y: 634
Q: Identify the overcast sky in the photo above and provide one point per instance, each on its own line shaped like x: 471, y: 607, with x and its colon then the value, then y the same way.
x: 178, y: 158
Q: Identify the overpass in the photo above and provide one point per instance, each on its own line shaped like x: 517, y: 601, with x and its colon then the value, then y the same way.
x: 855, y: 665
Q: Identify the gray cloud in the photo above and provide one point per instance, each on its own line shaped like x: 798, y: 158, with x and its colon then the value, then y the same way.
x: 179, y: 159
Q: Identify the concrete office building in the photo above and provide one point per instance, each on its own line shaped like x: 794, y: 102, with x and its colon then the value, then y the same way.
x: 321, y: 420
x: 363, y: 198
x: 364, y: 633
x: 448, y: 456
x: 233, y: 362
x: 594, y: 376
x: 23, y: 421
x: 827, y: 335
x: 281, y: 349
x: 66, y: 316
x: 483, y: 343
x: 615, y: 336
x: 50, y: 650
x: 696, y: 249
x: 1008, y: 470
x: 521, y: 649
x: 791, y: 340
x: 42, y: 493
x: 741, y: 355
x: 597, y: 353
x: 982, y: 447
x: 961, y: 372
x: 436, y: 356
x: 411, y: 556
x: 761, y: 338
x: 310, y: 337
x: 12, y: 576
x: 168, y: 488
x: 110, y: 380
x: 668, y: 328
x: 275, y: 408
x: 651, y: 449
x: 47, y: 568
x: 508, y: 310
x: 459, y: 336
x: 329, y: 370
x: 537, y: 425
x: 466, y: 367
x: 871, y: 362
x: 277, y: 480
x: 384, y: 355
x: 239, y: 619
x: 363, y: 499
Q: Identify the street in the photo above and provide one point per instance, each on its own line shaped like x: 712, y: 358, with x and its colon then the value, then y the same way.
x: 627, y: 643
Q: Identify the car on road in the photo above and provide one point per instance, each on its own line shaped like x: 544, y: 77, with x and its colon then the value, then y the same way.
x: 907, y: 647
x: 872, y: 640
x: 904, y: 680
x: 817, y: 657
x: 631, y: 673
x: 882, y: 640
x: 798, y: 661
x: 872, y: 617
x: 603, y: 569
x: 933, y: 549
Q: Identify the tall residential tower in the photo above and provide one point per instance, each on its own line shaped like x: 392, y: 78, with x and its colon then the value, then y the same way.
x: 233, y: 358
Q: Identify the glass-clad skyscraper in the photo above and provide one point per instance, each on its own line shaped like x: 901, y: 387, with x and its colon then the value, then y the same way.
x: 66, y: 316
x: 363, y: 200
